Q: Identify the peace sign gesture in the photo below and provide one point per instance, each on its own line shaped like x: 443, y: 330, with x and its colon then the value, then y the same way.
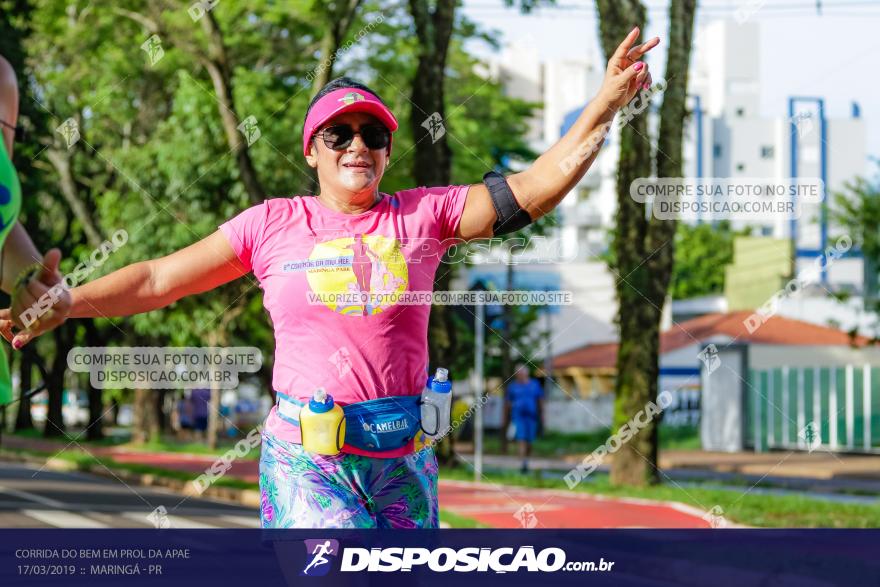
x: 625, y: 74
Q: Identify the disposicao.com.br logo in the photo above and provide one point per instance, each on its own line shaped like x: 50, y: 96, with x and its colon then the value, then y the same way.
x: 445, y: 559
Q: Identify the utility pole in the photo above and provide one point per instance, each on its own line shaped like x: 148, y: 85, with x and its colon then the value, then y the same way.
x: 479, y: 381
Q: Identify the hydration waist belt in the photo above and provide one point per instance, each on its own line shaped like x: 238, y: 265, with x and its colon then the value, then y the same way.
x: 375, y: 425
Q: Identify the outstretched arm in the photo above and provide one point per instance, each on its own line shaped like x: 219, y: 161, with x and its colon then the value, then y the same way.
x: 145, y: 286
x: 542, y: 186
x: 154, y: 284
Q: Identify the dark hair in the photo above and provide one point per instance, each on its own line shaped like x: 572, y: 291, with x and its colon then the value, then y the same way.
x: 339, y: 82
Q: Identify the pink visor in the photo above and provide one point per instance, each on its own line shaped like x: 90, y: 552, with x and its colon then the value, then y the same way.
x: 345, y: 100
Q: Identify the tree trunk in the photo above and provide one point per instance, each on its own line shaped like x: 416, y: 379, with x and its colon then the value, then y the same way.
x: 157, y: 424
x: 338, y: 16
x: 142, y: 417
x: 95, y: 427
x: 161, y: 423
x: 216, y: 338
x: 220, y: 71
x: 643, y: 248
x: 60, y: 160
x: 214, y: 417
x: 432, y: 164
x: 23, y: 420
x: 506, y: 359
x: 63, y: 336
x: 113, y: 417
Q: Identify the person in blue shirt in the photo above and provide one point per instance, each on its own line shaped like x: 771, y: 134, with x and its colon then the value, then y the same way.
x: 525, y: 409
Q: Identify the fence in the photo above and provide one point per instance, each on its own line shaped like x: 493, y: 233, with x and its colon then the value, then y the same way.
x: 804, y: 408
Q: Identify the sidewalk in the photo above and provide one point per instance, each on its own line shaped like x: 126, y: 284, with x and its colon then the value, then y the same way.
x: 497, y: 506
x: 817, y: 465
x: 817, y: 471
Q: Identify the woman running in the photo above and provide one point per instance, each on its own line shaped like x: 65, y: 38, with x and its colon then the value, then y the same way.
x: 24, y: 273
x: 369, y: 354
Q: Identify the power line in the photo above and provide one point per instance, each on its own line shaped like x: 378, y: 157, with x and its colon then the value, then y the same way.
x: 809, y: 7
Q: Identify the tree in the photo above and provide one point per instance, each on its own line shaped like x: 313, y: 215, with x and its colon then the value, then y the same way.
x: 643, y: 248
x: 337, y: 16
x: 701, y: 253
x: 856, y: 209
x: 149, y: 133
x: 155, y: 155
x: 432, y: 158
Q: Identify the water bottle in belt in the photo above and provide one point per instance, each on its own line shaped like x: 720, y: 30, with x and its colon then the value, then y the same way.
x: 437, y: 405
x: 322, y: 424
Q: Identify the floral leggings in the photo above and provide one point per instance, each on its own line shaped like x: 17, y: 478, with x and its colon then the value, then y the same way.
x: 299, y: 489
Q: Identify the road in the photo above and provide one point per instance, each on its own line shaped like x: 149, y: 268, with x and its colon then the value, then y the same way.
x: 34, y: 498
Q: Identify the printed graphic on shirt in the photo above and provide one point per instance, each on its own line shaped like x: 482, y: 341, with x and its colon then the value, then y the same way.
x: 371, y: 267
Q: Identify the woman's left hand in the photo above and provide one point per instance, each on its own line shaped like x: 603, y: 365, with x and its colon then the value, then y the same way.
x: 38, y: 306
x: 625, y: 74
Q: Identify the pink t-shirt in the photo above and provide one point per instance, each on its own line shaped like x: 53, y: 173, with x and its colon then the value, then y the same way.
x: 296, y: 247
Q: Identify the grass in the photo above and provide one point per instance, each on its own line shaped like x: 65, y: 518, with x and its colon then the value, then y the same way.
x: 771, y: 511
x: 197, y: 448
x: 155, y: 445
x: 557, y: 444
x: 456, y: 521
x: 83, y: 462
x: 36, y: 434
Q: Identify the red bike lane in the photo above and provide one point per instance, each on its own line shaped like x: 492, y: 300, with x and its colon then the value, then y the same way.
x: 506, y: 506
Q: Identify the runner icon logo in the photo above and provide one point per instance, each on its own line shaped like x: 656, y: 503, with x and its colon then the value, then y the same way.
x: 317, y: 552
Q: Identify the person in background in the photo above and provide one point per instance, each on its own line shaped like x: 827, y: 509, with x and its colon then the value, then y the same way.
x: 525, y: 409
x: 184, y: 417
x: 199, y: 401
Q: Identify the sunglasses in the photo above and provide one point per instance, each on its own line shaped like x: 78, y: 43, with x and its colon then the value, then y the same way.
x: 19, y: 131
x: 340, y: 136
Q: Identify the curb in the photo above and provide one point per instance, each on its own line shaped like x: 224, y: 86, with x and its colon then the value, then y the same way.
x: 245, y: 497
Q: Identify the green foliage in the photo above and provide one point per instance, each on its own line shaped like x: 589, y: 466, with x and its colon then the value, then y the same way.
x: 154, y: 159
x: 856, y: 209
x: 701, y: 253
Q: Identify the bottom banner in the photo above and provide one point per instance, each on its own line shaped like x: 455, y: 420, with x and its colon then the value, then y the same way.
x: 434, y: 557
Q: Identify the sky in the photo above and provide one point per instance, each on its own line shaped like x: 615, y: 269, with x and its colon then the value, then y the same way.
x: 833, y: 55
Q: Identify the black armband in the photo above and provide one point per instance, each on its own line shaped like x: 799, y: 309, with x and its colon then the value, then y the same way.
x: 511, y: 217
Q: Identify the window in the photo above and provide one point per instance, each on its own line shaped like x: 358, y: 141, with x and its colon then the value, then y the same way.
x: 716, y: 150
x: 740, y: 167
x: 740, y: 112
x: 766, y: 152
